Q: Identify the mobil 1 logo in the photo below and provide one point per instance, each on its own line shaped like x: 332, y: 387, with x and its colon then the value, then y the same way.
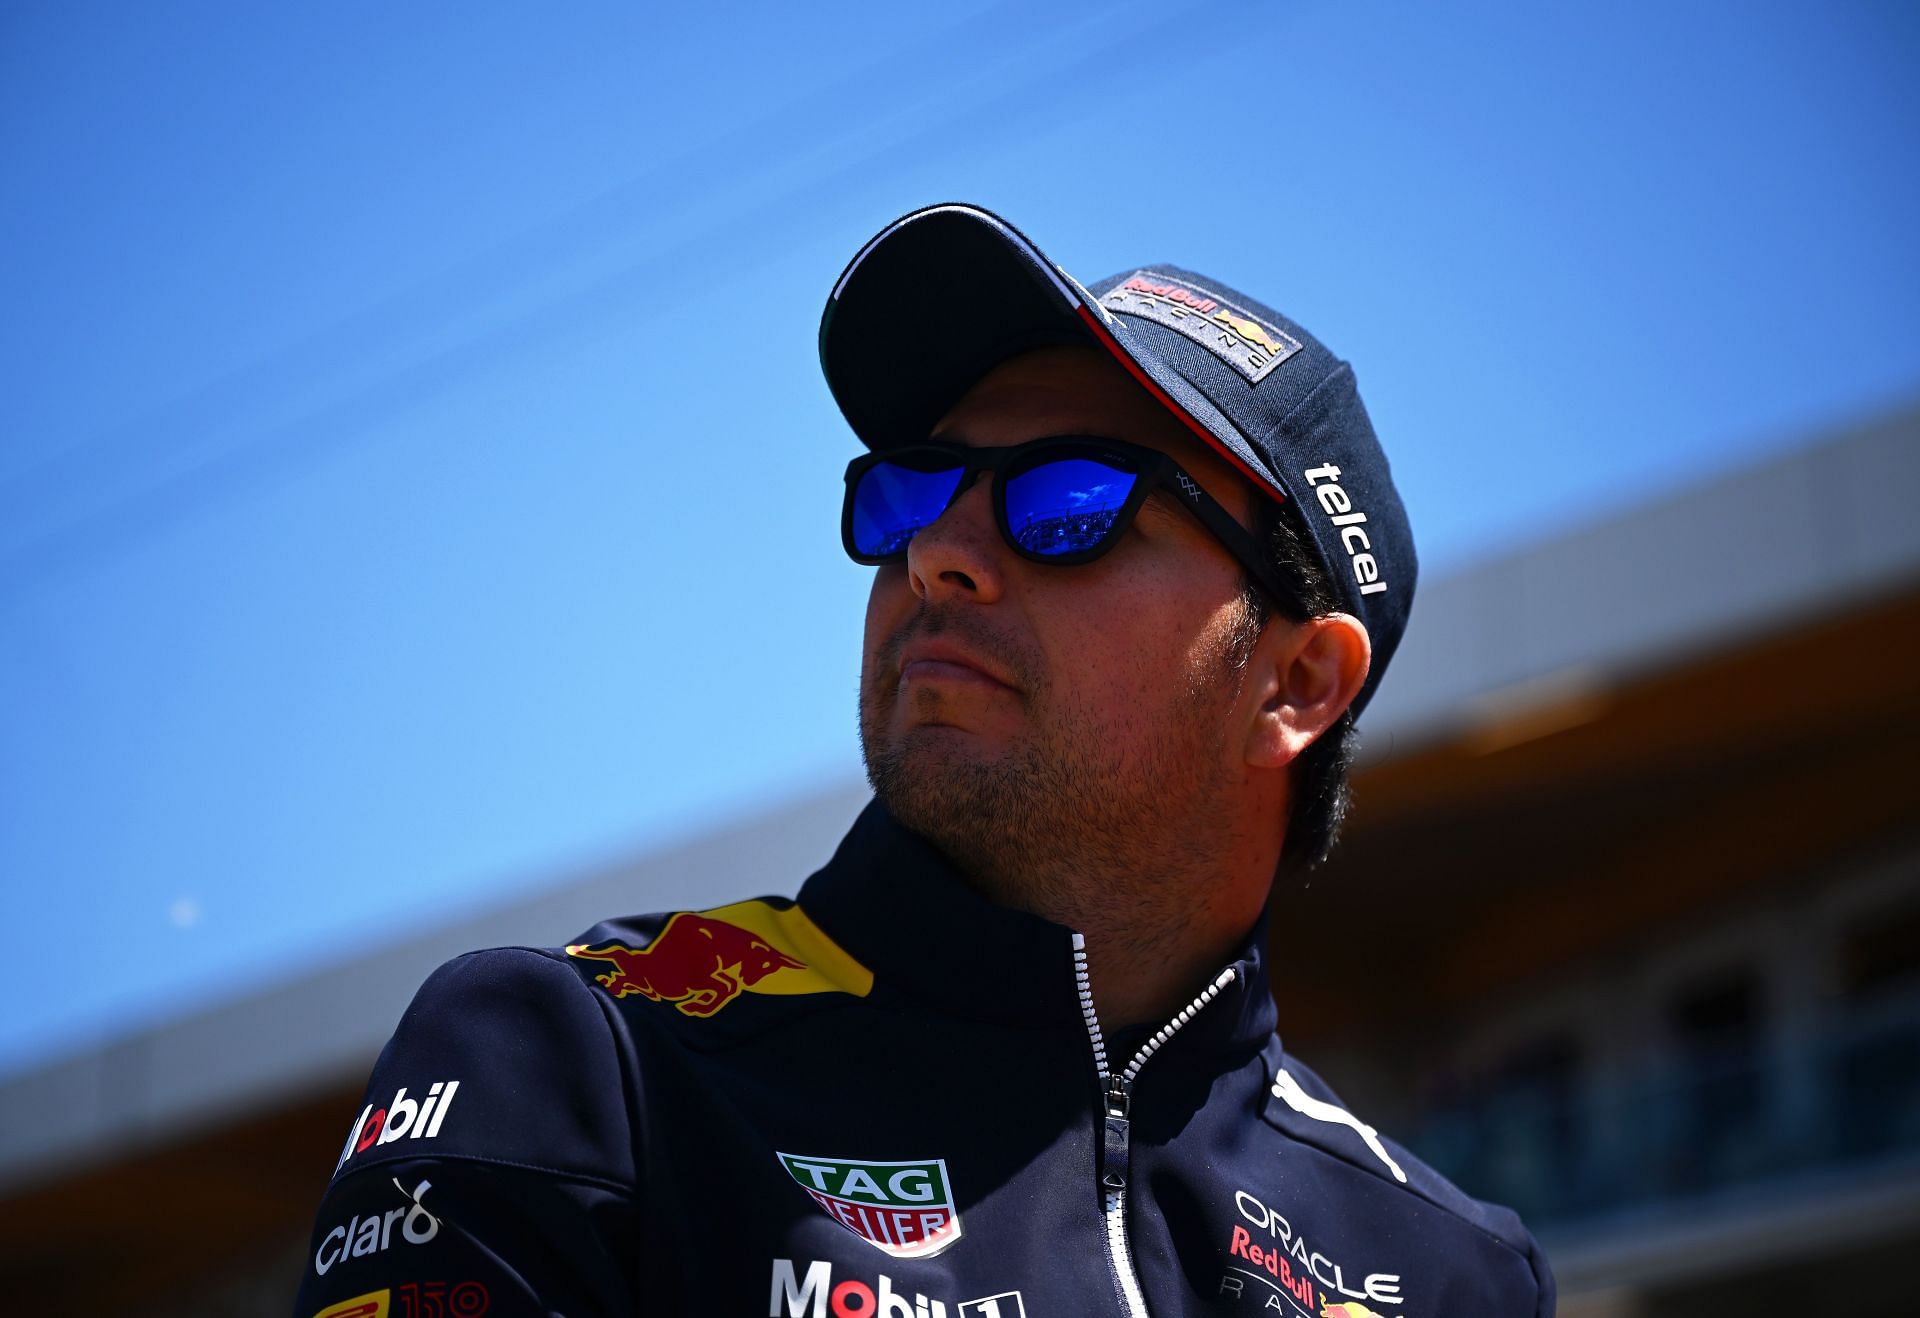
x: 399, y: 1118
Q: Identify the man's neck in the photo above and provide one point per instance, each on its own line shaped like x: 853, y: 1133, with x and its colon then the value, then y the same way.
x: 1151, y: 946
x: 1164, y: 897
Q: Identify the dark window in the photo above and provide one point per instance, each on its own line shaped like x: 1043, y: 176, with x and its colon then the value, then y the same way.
x: 1875, y: 1050
x: 1720, y: 1081
x: 1880, y: 952
x: 1513, y: 1133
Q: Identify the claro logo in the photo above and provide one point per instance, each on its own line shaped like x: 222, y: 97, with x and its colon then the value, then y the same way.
x: 400, y: 1118
x: 362, y: 1236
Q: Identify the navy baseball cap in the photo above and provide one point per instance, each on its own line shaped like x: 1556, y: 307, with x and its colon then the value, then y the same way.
x: 941, y: 296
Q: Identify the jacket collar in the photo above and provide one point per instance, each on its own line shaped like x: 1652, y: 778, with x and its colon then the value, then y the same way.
x: 893, y: 901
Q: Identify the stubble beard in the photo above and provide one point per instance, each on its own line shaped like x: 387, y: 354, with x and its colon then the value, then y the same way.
x: 1085, y: 821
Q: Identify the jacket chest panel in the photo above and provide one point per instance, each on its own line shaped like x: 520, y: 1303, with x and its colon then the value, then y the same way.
x: 1245, y: 1244
x: 918, y: 1174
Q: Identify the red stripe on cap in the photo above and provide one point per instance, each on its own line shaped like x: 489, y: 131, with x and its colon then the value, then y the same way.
x: 1211, y: 440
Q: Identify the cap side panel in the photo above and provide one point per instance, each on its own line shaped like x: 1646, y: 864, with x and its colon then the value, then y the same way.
x: 1261, y: 482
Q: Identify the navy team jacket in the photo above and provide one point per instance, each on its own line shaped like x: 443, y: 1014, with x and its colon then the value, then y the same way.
x: 890, y: 1099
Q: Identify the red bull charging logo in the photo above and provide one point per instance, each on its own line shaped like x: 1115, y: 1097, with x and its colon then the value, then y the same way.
x: 702, y: 960
x: 1251, y: 331
x: 697, y: 963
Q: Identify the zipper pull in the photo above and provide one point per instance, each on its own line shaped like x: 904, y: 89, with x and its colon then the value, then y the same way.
x: 1113, y: 1159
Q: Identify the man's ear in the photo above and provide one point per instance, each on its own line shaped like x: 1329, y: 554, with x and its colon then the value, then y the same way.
x: 1307, y: 674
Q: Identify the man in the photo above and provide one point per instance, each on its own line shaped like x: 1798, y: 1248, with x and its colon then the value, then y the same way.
x: 1011, y: 1054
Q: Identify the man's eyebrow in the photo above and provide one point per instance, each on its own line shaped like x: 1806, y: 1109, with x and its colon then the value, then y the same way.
x: 1161, y: 504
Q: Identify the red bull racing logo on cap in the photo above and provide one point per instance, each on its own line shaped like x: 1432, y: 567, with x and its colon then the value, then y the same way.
x: 1236, y: 336
x: 904, y: 1209
x: 702, y: 960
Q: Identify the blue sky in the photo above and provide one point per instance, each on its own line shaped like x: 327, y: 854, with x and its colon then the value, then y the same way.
x: 415, y: 476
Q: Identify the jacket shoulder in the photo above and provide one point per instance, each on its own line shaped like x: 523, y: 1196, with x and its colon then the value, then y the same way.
x: 1305, y: 1109
x: 502, y: 1056
x: 490, y: 1165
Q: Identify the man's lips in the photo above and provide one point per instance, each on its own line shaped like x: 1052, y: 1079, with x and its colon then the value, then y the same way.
x: 937, y: 660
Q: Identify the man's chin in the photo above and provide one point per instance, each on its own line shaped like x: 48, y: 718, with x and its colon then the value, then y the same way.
x: 938, y: 732
x: 936, y: 772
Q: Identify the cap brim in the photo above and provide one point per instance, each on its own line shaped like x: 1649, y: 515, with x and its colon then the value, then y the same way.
x: 941, y: 296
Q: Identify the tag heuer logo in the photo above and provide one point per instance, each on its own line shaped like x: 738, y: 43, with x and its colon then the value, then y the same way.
x: 902, y: 1208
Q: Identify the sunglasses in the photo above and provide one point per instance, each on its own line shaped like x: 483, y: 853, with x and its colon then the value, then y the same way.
x: 1066, y: 499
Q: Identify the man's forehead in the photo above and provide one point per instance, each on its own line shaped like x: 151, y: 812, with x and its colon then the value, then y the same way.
x: 1075, y: 390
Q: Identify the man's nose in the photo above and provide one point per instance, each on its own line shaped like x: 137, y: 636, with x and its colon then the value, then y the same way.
x: 961, y: 554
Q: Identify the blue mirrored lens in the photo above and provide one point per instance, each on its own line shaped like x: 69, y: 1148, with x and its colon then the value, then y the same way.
x: 891, y: 503
x: 1066, y: 507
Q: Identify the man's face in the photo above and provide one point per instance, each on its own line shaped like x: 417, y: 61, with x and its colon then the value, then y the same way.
x: 1030, y: 718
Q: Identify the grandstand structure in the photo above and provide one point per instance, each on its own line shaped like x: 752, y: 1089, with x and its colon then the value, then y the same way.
x: 1623, y: 933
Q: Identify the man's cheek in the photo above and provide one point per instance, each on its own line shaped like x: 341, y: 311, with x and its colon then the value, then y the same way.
x: 890, y: 604
x: 871, y: 646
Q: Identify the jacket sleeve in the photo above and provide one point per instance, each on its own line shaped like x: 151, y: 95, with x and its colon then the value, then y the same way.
x: 489, y: 1171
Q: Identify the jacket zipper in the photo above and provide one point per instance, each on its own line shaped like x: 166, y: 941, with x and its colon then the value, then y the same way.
x: 1118, y: 1098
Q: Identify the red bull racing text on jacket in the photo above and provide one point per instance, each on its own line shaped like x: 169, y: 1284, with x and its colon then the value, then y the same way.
x: 889, y: 1099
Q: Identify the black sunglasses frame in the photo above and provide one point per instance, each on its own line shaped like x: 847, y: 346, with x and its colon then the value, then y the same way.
x: 1151, y: 468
